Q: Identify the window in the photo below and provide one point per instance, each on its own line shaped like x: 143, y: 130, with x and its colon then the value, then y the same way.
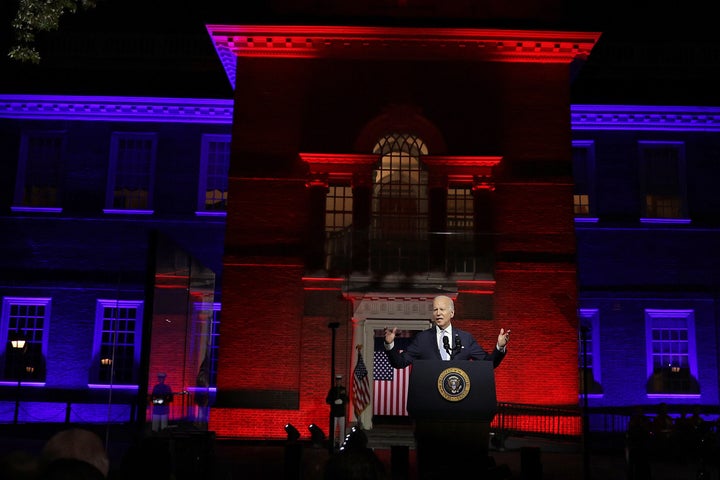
x: 662, y: 179
x: 214, y: 166
x: 206, y: 324
x: 589, y: 352
x: 338, y: 223
x: 459, y: 237
x: 130, y: 178
x: 672, y: 364
x: 583, y: 156
x: 117, y: 342
x: 460, y: 211
x: 25, y: 319
x: 399, y: 212
x: 338, y: 208
x: 37, y: 185
x: 399, y: 203
x: 207, y: 318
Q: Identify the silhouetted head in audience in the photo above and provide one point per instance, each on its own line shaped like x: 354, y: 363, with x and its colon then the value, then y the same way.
x: 74, y: 444
x: 70, y: 469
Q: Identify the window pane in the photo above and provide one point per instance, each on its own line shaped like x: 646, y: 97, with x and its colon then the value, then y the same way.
x: 118, y: 341
x: 672, y: 371
x: 588, y: 363
x: 215, y: 165
x: 662, y: 178
x: 26, y: 320
x: 338, y: 208
x: 399, y: 209
x: 132, y: 171
x: 583, y: 156
x: 39, y: 170
x: 460, y: 211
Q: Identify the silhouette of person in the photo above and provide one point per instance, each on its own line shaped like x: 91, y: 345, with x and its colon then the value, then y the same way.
x: 355, y: 461
x: 337, y: 398
x: 637, y: 445
x: 446, y: 342
x: 162, y: 396
x: 663, y: 429
x: 74, y: 453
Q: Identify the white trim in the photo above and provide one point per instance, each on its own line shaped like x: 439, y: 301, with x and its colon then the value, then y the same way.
x: 4, y: 320
x: 689, y: 316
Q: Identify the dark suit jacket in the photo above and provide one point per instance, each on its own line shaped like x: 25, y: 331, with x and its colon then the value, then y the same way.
x: 424, y: 346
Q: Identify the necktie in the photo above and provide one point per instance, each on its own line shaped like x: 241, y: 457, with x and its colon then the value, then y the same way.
x: 443, y: 353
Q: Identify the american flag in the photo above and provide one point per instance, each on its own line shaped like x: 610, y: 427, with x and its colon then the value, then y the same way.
x: 361, y: 386
x: 391, y: 385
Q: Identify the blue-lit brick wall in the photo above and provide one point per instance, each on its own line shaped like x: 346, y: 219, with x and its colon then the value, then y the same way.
x: 82, y: 254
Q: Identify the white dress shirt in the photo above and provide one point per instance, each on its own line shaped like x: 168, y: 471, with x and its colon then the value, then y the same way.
x: 440, y: 333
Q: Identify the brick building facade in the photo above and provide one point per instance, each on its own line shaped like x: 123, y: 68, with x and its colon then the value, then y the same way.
x: 355, y: 173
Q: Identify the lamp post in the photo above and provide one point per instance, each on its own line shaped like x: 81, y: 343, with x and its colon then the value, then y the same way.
x: 333, y: 326
x: 19, y: 345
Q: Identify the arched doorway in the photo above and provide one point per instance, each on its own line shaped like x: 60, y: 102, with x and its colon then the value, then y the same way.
x: 373, y: 312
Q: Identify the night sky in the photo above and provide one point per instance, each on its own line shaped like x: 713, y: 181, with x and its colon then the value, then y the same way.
x: 679, y: 63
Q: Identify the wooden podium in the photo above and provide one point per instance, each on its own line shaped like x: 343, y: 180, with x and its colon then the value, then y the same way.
x: 452, y: 405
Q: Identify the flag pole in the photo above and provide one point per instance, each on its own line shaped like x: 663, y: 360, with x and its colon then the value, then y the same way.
x: 359, y: 414
x: 358, y: 384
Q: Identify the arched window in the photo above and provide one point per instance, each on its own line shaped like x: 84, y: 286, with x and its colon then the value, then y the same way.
x: 399, y: 213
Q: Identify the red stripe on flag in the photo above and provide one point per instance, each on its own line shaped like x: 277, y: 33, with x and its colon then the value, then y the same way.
x: 391, y: 395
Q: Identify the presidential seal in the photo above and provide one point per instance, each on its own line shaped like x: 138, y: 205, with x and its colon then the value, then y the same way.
x: 453, y: 384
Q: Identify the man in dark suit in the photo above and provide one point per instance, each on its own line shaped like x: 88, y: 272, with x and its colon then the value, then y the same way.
x: 441, y: 341
x: 467, y: 440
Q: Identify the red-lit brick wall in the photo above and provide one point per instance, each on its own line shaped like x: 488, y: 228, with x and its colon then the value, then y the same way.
x: 275, y: 355
x: 541, y: 366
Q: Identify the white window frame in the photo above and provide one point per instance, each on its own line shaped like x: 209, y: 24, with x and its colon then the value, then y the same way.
x: 205, y: 173
x: 24, y: 169
x: 338, y: 208
x: 652, y: 315
x: 591, y: 318
x: 113, y: 172
x: 460, y: 218
x: 101, y: 305
x: 7, y: 303
x: 679, y: 147
x: 589, y: 147
x: 213, y: 309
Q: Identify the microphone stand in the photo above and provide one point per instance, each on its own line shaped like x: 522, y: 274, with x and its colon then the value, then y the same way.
x: 456, y: 349
x: 446, y: 346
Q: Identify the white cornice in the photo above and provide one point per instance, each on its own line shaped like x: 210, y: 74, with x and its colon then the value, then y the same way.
x: 639, y: 117
x: 283, y: 41
x: 116, y: 109
x: 213, y: 111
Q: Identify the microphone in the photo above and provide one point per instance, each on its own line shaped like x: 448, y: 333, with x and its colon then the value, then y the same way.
x: 446, y: 345
x: 458, y: 345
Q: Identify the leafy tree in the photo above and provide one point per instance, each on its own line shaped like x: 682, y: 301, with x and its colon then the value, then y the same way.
x: 35, y: 16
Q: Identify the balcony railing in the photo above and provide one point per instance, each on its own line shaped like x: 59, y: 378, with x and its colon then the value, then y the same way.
x: 449, y: 252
